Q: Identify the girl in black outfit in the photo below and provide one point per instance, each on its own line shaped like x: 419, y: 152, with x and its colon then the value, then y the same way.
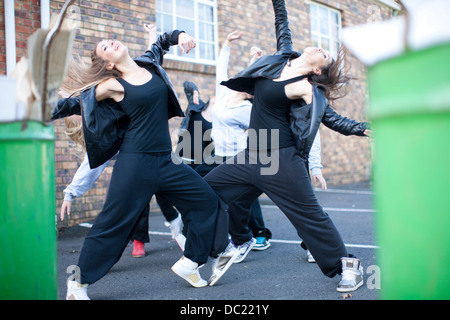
x: 290, y: 101
x: 129, y: 108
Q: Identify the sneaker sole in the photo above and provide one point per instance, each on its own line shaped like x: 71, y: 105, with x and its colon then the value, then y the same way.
x: 352, y: 288
x: 225, y: 269
x: 255, y: 248
x: 202, y: 283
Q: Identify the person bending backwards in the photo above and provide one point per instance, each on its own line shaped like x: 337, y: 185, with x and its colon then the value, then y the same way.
x: 290, y: 101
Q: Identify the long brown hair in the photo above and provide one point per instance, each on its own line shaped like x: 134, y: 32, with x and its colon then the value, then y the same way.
x: 81, y: 76
x: 333, y: 78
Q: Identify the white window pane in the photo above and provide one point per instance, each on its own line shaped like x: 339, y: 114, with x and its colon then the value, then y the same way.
x: 335, y: 17
x: 324, y: 27
x: 186, y: 25
x: 205, y: 13
x: 313, y: 10
x: 207, y: 32
x: 206, y: 50
x: 164, y: 23
x: 325, y: 44
x: 315, y: 41
x: 334, y: 31
x: 164, y: 6
x: 314, y: 25
x: 185, y: 8
x: 323, y: 14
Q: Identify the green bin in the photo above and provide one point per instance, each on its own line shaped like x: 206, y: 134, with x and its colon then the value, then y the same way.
x: 28, y: 258
x: 410, y: 113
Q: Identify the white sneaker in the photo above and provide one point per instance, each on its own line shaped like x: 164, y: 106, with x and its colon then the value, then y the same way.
x: 76, y: 291
x: 223, y: 263
x: 352, y: 275
x: 175, y: 226
x: 310, y: 257
x: 188, y: 270
x: 244, y: 249
x: 181, y: 241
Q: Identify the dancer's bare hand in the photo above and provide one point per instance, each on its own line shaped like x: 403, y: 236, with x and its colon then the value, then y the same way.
x: 66, y: 205
x: 186, y: 42
x: 319, y: 179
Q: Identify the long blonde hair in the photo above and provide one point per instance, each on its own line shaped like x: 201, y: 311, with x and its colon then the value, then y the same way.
x: 73, y: 128
x: 81, y: 76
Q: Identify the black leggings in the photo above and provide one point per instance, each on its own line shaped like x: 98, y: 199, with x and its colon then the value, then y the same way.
x: 136, y: 177
x: 287, y: 183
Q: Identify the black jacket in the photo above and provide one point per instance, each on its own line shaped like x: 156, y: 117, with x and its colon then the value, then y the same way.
x: 304, y: 119
x: 104, y: 122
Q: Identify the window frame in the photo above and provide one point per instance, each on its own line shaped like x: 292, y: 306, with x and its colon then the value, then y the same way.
x: 215, y: 43
x: 318, y: 33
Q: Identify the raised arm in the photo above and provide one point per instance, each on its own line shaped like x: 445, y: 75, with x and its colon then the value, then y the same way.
x: 152, y: 36
x: 282, y: 31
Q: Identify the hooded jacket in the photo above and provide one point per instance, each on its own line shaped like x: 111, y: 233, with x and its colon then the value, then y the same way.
x: 304, y: 119
x: 104, y: 122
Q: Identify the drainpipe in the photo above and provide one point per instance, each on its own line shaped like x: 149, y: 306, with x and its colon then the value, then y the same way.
x: 10, y: 36
x: 45, y: 14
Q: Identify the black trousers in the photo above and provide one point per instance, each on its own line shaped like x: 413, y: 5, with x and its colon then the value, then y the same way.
x: 135, y: 179
x: 286, y: 182
x: 245, y: 214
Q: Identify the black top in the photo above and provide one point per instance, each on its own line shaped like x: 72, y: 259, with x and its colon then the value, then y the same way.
x: 270, y: 118
x: 147, y: 107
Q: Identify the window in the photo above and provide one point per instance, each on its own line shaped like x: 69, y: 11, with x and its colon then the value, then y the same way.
x: 326, y: 27
x: 198, y: 18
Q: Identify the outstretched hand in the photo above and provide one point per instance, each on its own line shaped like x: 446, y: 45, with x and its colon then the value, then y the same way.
x: 186, y: 42
x: 234, y: 35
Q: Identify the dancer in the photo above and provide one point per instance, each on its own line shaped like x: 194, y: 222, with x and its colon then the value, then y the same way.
x: 290, y: 100
x: 195, y: 129
x: 85, y: 177
x: 126, y: 107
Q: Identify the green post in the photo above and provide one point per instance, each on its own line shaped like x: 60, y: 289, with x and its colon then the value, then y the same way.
x: 410, y: 114
x: 28, y: 259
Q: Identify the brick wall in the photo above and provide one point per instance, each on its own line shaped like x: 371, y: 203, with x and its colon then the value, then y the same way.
x: 345, y: 159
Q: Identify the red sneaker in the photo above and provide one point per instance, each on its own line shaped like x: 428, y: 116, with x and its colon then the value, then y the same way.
x: 138, y: 249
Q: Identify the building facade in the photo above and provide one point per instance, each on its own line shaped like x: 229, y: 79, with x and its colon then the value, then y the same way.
x: 312, y: 22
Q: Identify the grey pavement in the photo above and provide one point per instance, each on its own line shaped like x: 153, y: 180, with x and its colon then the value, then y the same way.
x: 278, y: 273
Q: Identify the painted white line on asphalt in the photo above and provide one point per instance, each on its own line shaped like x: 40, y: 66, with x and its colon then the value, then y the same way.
x: 270, y: 206
x: 344, y: 191
x: 363, y: 246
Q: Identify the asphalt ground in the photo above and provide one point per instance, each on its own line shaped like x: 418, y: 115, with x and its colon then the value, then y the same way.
x: 280, y: 273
